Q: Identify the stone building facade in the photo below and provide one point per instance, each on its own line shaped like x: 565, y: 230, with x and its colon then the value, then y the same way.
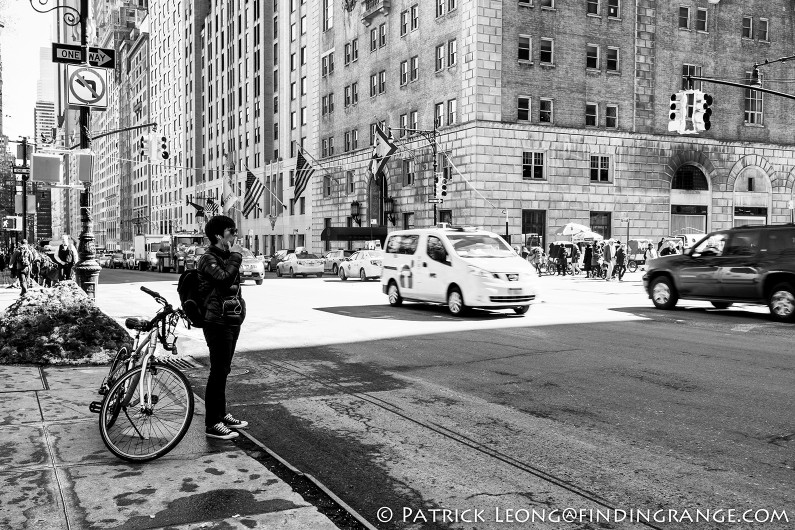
x: 561, y: 115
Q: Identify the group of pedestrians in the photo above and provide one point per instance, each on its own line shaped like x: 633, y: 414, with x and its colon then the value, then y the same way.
x: 562, y: 259
x: 26, y: 265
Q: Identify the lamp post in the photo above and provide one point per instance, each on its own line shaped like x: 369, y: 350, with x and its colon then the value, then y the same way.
x: 87, y: 269
x: 355, y: 213
x: 389, y: 209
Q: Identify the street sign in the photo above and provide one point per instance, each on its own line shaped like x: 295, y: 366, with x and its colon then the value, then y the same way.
x: 21, y: 171
x: 435, y: 201
x: 87, y: 87
x: 73, y: 54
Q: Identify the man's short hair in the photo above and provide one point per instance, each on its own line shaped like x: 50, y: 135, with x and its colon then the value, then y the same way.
x: 216, y: 225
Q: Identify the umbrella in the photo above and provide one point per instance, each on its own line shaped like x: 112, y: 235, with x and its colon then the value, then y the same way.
x: 572, y: 229
x: 586, y: 236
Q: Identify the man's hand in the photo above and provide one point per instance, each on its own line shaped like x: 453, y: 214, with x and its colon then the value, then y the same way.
x: 236, y: 248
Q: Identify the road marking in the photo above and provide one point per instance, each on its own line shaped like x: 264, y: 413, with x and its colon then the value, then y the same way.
x: 745, y: 328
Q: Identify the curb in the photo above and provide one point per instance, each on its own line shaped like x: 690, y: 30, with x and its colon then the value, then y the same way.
x: 300, y: 473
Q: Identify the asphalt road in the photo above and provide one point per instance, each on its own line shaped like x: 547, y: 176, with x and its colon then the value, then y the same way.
x: 594, y: 399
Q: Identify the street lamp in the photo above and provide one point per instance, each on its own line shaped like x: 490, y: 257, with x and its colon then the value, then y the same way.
x: 355, y: 213
x: 389, y: 209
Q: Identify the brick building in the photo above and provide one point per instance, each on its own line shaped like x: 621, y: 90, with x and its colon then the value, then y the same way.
x: 547, y: 112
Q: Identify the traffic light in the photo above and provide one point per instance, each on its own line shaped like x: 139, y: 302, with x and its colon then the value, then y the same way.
x: 443, y: 188
x: 437, y: 186
x: 163, y: 147
x: 677, y: 117
x: 702, y: 111
x: 143, y: 146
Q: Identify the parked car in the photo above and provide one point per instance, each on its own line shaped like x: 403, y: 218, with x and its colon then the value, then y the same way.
x: 302, y: 263
x: 738, y: 265
x: 104, y: 259
x: 192, y: 257
x: 333, y: 258
x: 459, y: 267
x: 363, y: 264
x: 276, y: 258
x: 117, y: 260
x: 251, y: 268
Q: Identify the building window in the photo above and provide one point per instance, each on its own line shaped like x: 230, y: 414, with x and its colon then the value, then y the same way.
x: 452, y: 111
x: 452, y: 52
x: 404, y: 22
x: 373, y: 85
x: 373, y: 39
x: 331, y: 146
x: 763, y: 24
x: 355, y: 138
x: 591, y: 114
x: 439, y: 57
x: 611, y: 116
x: 601, y: 223
x: 753, y: 104
x: 408, y: 220
x: 689, y: 177
x: 382, y: 35
x: 415, y: 16
x: 532, y: 166
x: 688, y: 70
x: 404, y: 73
x: 526, y: 3
x: 438, y: 114
x: 748, y: 28
x: 600, y: 168
x: 534, y: 222
x: 326, y: 185
x: 413, y: 119
x: 524, y: 48
x: 592, y: 56
x: 523, y: 108
x: 347, y: 96
x: 613, y: 8
x: 593, y: 7
x: 347, y: 141
x: 349, y: 182
x: 415, y: 67
x: 382, y: 81
x: 354, y: 93
x: 404, y: 123
x: 408, y: 172
x: 324, y: 148
x: 701, y: 20
x: 451, y: 4
x: 354, y: 50
x: 347, y: 53
x: 545, y: 111
x: 684, y: 17
x: 547, y: 51
x: 328, y: 14
x: 612, y: 59
x: 440, y: 8
x: 548, y: 4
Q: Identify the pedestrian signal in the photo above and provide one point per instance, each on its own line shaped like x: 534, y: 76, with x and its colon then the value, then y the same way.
x: 12, y: 223
x: 143, y: 146
x: 676, y: 116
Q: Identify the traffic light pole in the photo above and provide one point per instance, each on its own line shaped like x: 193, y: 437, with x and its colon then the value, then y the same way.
x: 25, y: 178
x: 739, y: 85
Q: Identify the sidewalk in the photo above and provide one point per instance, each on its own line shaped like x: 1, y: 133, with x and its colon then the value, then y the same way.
x: 55, y: 472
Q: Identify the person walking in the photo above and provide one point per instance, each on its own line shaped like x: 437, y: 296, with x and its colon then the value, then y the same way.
x: 66, y: 257
x: 586, y: 261
x: 219, y: 267
x: 575, y: 259
x: 562, y: 260
x: 596, y: 260
x: 535, y: 258
x: 21, y: 262
x: 610, y: 260
x: 621, y: 261
x: 648, y: 254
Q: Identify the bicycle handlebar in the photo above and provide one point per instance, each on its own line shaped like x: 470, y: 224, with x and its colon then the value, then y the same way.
x: 150, y: 292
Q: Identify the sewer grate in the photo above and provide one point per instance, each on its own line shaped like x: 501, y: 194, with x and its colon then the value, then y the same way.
x: 182, y: 363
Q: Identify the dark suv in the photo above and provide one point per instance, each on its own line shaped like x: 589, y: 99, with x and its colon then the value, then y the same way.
x: 749, y: 264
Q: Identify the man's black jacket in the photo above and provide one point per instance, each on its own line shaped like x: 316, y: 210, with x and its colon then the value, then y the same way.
x: 220, y: 271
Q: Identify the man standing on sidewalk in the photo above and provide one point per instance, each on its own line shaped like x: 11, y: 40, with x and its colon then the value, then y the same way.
x: 65, y: 256
x: 610, y: 260
x: 21, y: 262
x: 219, y: 267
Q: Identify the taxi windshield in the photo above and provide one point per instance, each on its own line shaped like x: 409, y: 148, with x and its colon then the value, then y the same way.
x: 479, y: 246
x: 306, y: 255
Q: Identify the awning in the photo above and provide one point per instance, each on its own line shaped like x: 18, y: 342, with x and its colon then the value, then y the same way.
x: 353, y: 233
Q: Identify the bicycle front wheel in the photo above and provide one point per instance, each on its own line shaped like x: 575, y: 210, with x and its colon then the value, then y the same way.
x: 140, y: 427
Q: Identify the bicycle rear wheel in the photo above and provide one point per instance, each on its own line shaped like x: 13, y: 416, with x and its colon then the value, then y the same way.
x: 136, y: 431
x: 117, y: 367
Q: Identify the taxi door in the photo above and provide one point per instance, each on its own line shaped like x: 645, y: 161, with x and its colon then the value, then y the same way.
x: 433, y: 271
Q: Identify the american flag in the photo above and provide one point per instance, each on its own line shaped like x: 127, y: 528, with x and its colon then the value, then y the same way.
x: 211, y: 207
x: 253, y: 193
x: 302, y: 173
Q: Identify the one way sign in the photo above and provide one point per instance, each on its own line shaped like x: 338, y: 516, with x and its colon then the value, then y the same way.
x: 73, y: 54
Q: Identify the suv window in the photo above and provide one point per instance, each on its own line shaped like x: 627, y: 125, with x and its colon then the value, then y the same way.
x: 436, y: 250
x: 406, y: 244
x: 780, y: 240
x: 745, y: 243
x: 713, y: 245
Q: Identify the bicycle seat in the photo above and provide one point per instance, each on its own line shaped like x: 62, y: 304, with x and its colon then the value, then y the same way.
x: 138, y: 324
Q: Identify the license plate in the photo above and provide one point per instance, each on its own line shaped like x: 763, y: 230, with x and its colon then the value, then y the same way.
x: 246, y: 274
x: 515, y: 289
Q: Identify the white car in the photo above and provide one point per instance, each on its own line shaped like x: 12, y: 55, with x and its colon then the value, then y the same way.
x: 303, y: 264
x: 364, y: 264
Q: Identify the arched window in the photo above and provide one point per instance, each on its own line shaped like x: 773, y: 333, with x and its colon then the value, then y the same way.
x: 689, y: 178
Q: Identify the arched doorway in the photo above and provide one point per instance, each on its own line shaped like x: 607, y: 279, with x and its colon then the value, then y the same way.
x: 752, y: 197
x: 690, y: 200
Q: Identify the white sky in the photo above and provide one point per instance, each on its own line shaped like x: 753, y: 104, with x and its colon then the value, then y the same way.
x: 25, y: 32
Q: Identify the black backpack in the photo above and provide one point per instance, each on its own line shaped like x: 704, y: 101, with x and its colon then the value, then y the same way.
x: 193, y: 300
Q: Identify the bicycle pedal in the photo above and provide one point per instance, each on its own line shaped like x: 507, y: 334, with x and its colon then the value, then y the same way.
x: 95, y: 407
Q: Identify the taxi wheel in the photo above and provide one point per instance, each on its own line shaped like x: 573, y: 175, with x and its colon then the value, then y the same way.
x: 455, y: 302
x: 292, y: 273
x: 334, y: 269
x: 319, y: 275
x: 362, y: 275
x: 343, y: 277
x: 663, y: 294
x: 782, y: 302
x: 394, y: 295
x: 521, y: 310
x: 278, y: 272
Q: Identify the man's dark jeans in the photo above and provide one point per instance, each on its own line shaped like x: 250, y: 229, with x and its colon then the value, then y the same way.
x: 221, y: 340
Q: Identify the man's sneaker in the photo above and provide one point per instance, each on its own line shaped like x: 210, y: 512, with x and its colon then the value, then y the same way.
x: 220, y: 431
x: 234, y: 423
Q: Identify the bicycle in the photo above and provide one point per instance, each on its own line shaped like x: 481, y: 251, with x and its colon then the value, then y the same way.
x: 156, y: 399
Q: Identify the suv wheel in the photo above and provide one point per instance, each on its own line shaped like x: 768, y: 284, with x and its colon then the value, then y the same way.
x: 663, y: 293
x: 394, y: 295
x: 782, y: 302
x: 455, y: 302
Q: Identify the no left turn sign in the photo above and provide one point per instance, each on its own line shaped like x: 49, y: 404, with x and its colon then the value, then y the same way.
x: 87, y: 87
